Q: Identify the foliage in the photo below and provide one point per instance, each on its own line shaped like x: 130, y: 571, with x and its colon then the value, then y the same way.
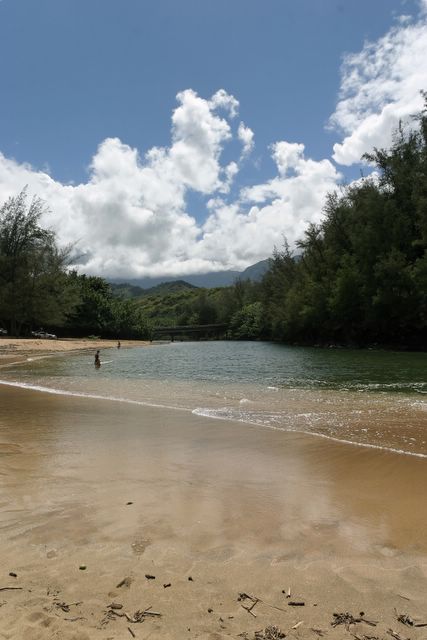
x: 362, y: 275
x: 99, y: 311
x: 34, y: 288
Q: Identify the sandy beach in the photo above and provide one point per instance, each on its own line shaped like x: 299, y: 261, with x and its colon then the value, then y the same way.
x: 165, y: 512
x: 18, y: 349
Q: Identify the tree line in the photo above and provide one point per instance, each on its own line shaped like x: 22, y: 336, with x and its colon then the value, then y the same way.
x: 361, y: 277
x: 357, y: 278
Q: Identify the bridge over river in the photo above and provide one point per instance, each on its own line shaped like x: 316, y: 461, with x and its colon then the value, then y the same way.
x: 194, y: 331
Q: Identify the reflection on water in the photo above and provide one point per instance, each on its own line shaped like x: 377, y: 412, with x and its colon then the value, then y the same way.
x: 370, y: 398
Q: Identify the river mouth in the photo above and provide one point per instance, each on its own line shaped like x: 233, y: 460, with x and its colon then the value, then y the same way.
x: 367, y: 399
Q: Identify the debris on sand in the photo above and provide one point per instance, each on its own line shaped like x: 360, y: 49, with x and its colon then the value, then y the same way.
x: 396, y: 635
x: 126, y: 582
x: 270, y: 633
x: 138, y: 616
x: 347, y: 619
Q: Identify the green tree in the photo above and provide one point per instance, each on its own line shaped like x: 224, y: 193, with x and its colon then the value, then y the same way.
x: 34, y: 287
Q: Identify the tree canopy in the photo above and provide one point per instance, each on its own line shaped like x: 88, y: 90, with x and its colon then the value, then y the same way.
x: 361, y: 276
x: 34, y: 287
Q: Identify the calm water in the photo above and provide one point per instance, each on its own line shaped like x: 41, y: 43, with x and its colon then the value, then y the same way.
x: 369, y: 398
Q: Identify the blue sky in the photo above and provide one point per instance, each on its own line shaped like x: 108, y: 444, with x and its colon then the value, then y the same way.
x: 90, y: 86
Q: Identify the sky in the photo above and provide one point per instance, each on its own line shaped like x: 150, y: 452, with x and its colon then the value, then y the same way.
x: 174, y: 137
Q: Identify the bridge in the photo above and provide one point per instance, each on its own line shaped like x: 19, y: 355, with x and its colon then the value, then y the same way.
x: 195, y: 331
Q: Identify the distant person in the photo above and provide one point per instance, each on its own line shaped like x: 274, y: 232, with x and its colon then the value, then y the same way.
x: 118, y: 345
x: 97, y: 360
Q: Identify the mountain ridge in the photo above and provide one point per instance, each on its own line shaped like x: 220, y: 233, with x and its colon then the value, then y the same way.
x: 203, y: 280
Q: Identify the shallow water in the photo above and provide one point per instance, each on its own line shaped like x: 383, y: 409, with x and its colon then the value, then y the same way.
x: 367, y: 398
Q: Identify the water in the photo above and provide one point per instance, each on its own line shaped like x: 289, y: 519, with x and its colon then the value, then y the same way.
x: 367, y: 398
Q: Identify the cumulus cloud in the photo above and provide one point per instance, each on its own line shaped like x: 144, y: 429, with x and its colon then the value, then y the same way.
x: 246, y: 137
x: 250, y: 228
x: 130, y: 218
x: 381, y: 85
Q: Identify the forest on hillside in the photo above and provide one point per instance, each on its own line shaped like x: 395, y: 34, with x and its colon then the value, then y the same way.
x: 359, y: 277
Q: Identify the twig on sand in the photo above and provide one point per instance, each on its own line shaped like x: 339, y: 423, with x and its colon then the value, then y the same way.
x: 66, y: 607
x: 408, y: 621
x: 298, y: 624
x: 245, y: 596
x: 404, y: 619
x: 319, y: 632
x: 396, y: 635
x: 126, y: 582
x: 10, y: 588
x: 138, y: 616
x: 131, y: 632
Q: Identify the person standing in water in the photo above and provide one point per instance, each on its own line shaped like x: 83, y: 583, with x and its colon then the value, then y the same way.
x: 118, y: 345
x: 97, y: 360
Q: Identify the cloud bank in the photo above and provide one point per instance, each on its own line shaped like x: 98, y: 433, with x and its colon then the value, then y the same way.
x: 131, y: 217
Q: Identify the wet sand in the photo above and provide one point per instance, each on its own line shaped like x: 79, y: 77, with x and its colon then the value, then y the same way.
x: 236, y: 508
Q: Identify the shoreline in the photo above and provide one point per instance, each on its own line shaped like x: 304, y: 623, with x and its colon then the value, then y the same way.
x: 34, y: 349
x: 21, y: 348
x: 310, y: 434
x: 186, y: 512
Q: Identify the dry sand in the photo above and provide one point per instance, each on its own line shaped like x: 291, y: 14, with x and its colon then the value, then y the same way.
x: 130, y: 492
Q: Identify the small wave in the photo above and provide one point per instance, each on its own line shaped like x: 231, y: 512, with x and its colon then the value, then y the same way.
x: 227, y: 414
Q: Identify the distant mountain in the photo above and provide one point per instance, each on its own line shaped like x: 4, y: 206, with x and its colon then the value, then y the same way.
x: 255, y: 271
x: 168, y: 287
x: 126, y: 290
x: 208, y: 280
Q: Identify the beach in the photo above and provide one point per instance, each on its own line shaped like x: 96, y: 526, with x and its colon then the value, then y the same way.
x: 18, y: 349
x: 167, y: 512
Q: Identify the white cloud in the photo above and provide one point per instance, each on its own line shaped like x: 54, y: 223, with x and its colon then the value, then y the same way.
x: 380, y: 86
x: 130, y: 218
x: 246, y: 137
x: 248, y: 230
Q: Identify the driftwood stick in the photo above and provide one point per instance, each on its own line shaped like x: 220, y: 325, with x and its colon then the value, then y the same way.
x: 249, y: 610
x: 298, y: 624
x: 10, y: 588
x: 131, y: 632
x: 255, y: 599
x: 396, y: 635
